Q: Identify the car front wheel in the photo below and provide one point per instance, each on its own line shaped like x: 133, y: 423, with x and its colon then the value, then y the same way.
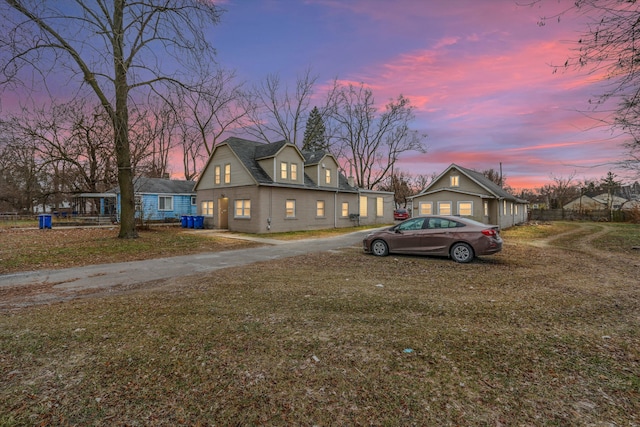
x: 461, y: 252
x: 379, y: 248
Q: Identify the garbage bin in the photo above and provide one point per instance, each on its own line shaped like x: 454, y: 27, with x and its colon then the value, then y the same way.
x: 190, y: 221
x: 44, y: 221
x: 198, y: 221
x: 183, y: 221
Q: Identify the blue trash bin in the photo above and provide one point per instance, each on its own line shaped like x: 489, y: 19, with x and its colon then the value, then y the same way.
x: 183, y: 221
x: 198, y: 221
x: 190, y: 221
x: 44, y: 221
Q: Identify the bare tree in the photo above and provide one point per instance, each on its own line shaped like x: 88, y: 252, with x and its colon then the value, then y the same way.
x: 278, y: 113
x: 609, y: 47
x: 371, y: 140
x: 113, y: 47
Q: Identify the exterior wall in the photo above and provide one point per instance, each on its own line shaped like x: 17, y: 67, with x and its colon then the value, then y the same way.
x: 516, y: 213
x: 289, y: 155
x: 223, y: 156
x: 147, y: 209
x: 372, y: 217
x: 465, y: 184
x: 268, y: 209
x: 317, y: 173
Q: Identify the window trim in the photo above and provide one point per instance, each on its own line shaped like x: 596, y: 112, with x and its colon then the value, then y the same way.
x: 440, y: 204
x: 470, y: 208
x: 164, y: 197
x: 284, y: 170
x: 293, y: 172
x: 454, y: 180
x: 245, y: 208
x: 344, y: 209
x: 227, y: 173
x: 217, y: 175
x: 320, y: 210
x: 287, y: 214
x: 206, y: 208
x: 421, y: 204
x: 327, y: 176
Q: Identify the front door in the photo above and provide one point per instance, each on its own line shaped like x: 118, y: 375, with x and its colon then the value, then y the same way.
x: 223, y: 213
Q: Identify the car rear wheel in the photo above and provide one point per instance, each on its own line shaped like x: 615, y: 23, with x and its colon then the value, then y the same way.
x: 379, y: 248
x: 461, y: 252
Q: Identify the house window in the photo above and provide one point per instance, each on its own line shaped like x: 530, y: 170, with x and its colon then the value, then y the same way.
x: 206, y: 207
x: 327, y: 176
x: 379, y: 206
x: 243, y: 208
x: 320, y: 208
x: 425, y: 208
x: 165, y: 203
x: 465, y: 208
x: 511, y: 208
x: 363, y: 206
x: 455, y: 181
x: 516, y: 209
x: 138, y: 203
x: 504, y: 207
x: 283, y: 170
x: 444, y: 208
x: 486, y: 208
x: 227, y: 173
x: 216, y: 173
x: 193, y: 200
x: 294, y: 172
x: 345, y: 209
x: 290, y: 209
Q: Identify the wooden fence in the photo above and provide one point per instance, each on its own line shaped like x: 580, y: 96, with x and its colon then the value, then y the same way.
x: 573, y: 215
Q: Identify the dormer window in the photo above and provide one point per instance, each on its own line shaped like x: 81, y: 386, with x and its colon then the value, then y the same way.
x: 294, y: 172
x: 455, y: 181
x: 327, y: 176
x: 283, y: 170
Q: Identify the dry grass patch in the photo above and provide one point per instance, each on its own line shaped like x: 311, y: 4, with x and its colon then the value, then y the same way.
x: 531, y: 336
x: 27, y: 249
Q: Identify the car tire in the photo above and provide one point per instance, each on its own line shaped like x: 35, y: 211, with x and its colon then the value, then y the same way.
x: 379, y: 248
x: 462, y: 252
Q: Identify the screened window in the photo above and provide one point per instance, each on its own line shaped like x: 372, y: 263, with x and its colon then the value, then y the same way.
x: 294, y: 172
x: 165, y: 203
x: 283, y: 170
x: 290, y: 209
x: 243, y: 208
x: 345, y: 209
x: 320, y: 208
x: 216, y: 173
x: 206, y: 207
x: 227, y: 173
x: 455, y: 181
x: 425, y: 208
x: 444, y: 208
x: 465, y: 208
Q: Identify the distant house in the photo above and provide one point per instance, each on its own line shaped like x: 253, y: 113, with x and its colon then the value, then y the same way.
x: 465, y: 192
x: 253, y: 187
x: 159, y: 199
x: 599, y: 202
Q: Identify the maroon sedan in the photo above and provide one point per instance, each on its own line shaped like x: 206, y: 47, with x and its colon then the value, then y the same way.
x: 400, y: 214
x: 461, y: 239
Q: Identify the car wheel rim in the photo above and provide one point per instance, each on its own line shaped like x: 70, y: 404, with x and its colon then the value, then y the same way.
x: 461, y: 253
x: 378, y: 248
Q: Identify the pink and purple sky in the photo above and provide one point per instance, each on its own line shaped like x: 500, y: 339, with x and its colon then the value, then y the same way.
x: 478, y: 73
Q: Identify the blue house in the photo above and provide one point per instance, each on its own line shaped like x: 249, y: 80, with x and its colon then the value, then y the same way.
x: 159, y: 199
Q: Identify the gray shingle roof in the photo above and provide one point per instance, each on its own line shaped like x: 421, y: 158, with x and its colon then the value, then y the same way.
x: 160, y: 186
x: 249, y: 152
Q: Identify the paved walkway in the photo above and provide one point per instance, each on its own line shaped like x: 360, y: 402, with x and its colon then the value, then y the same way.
x: 104, y: 276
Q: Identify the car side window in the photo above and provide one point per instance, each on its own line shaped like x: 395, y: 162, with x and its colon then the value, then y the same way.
x: 414, y: 224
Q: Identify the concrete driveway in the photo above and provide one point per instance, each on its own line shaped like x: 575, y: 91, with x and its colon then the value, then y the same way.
x: 69, y: 283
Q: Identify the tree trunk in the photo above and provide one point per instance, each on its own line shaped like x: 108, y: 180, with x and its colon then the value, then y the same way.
x: 121, y: 130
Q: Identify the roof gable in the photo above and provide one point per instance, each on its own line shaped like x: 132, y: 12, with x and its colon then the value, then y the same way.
x: 489, y: 186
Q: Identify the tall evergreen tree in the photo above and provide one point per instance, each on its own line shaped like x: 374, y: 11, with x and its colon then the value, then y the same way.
x: 314, y: 135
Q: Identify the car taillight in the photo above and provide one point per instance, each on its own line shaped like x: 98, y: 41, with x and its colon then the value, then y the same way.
x: 489, y: 232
